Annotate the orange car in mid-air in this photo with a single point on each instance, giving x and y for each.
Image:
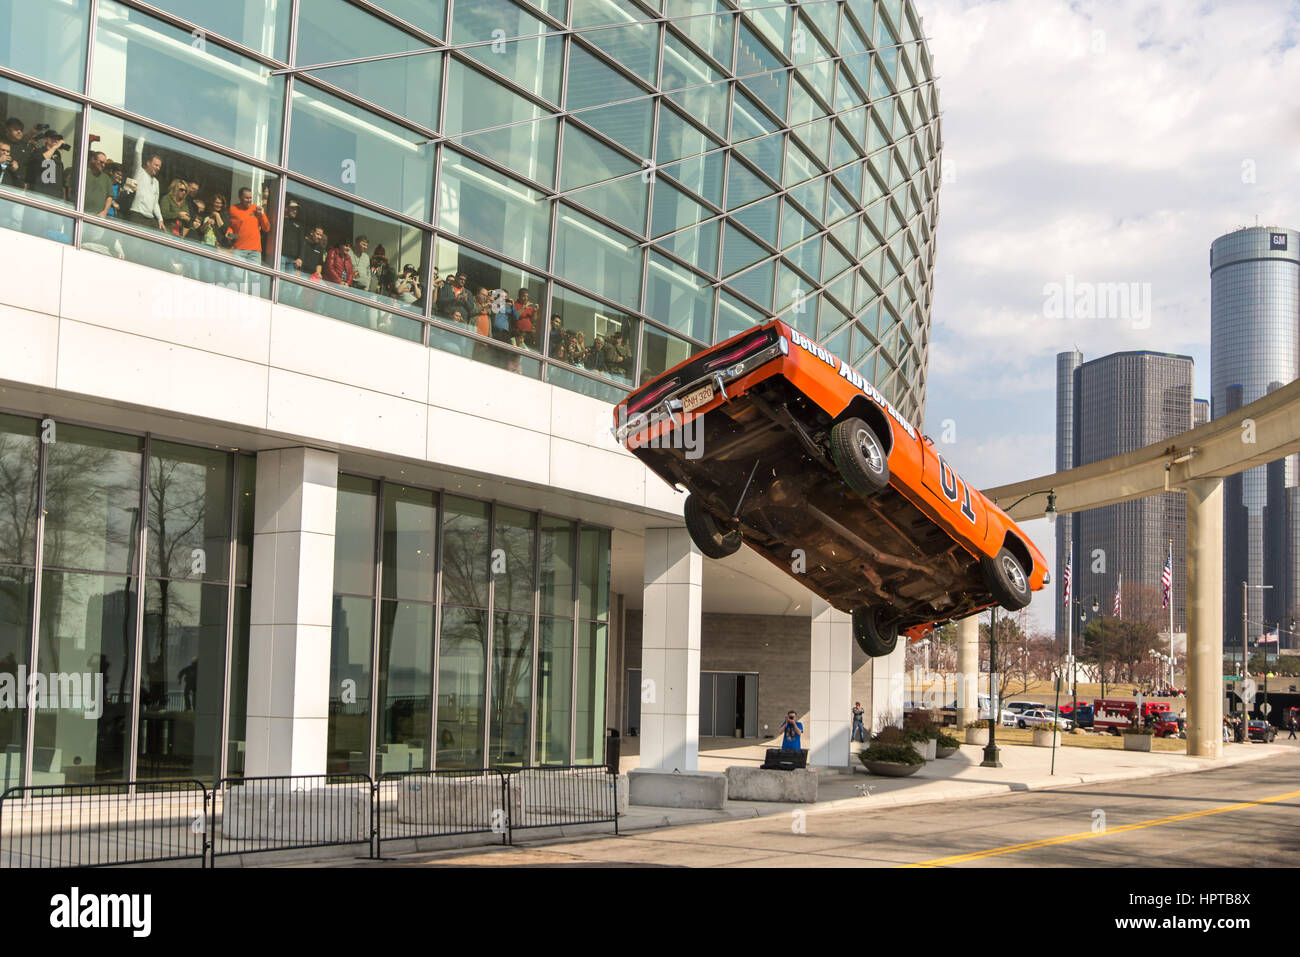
(786, 448)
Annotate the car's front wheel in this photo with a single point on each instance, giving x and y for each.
(706, 532)
(860, 456)
(1008, 581)
(874, 635)
(1020, 724)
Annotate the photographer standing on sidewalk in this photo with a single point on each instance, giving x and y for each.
(791, 731)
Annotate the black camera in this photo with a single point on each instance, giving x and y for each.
(42, 129)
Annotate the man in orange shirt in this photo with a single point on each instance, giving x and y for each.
(247, 223)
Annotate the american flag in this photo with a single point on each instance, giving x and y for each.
(1118, 588)
(1167, 582)
(1066, 579)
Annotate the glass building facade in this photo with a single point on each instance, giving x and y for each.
(124, 605)
(620, 182)
(1254, 349)
(466, 634)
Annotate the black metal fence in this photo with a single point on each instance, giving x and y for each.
(98, 825)
(88, 825)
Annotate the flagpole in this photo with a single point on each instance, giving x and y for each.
(1069, 631)
(1171, 614)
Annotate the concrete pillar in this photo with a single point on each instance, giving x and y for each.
(830, 721)
(887, 688)
(968, 670)
(670, 651)
(290, 619)
(1205, 617)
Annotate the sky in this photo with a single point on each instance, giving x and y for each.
(1104, 142)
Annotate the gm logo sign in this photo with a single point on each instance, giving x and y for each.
(1277, 242)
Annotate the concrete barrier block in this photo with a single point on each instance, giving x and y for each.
(681, 789)
(757, 784)
(573, 792)
(452, 800)
(280, 814)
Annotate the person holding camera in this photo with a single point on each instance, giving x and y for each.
(791, 733)
(44, 173)
(408, 285)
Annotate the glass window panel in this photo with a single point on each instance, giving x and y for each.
(476, 103)
(556, 573)
(679, 139)
(87, 629)
(739, 251)
(348, 728)
(261, 25)
(590, 714)
(598, 258)
(701, 175)
(795, 227)
(354, 536)
(744, 186)
(766, 153)
(465, 558)
(359, 153)
(92, 499)
(756, 283)
(636, 46)
(46, 40)
(674, 210)
(331, 30)
(189, 513)
(771, 20)
(34, 222)
(225, 98)
(405, 685)
(314, 297)
(336, 244)
(592, 336)
(678, 298)
(410, 532)
(710, 34)
(747, 120)
(734, 316)
(812, 197)
(462, 664)
(760, 218)
(817, 138)
(587, 160)
(593, 574)
(488, 353)
(183, 663)
(237, 722)
(493, 298)
(487, 207)
(662, 351)
(699, 90)
(536, 64)
(16, 595)
(762, 74)
(554, 689)
(19, 491)
(512, 689)
(245, 506)
(38, 164)
(583, 385)
(513, 560)
(698, 246)
(593, 84)
(623, 200)
(427, 15)
(807, 257)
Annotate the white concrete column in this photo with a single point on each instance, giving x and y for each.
(290, 621)
(670, 651)
(1205, 617)
(830, 720)
(887, 688)
(968, 670)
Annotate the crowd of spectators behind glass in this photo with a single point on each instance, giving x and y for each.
(34, 160)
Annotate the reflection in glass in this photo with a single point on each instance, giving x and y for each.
(183, 675)
(348, 748)
(465, 552)
(462, 654)
(237, 725)
(19, 454)
(512, 676)
(15, 630)
(593, 336)
(475, 102)
(189, 512)
(354, 536)
(593, 574)
(534, 63)
(92, 499)
(45, 40)
(598, 258)
(589, 723)
(261, 25)
(558, 538)
(87, 632)
(484, 206)
(554, 689)
(661, 351)
(410, 528)
(513, 560)
(405, 682)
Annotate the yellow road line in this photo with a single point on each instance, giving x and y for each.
(1067, 838)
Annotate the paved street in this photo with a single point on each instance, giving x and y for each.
(1240, 816)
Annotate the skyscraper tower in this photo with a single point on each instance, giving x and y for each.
(1254, 349)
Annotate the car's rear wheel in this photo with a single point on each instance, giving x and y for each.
(874, 635)
(1007, 579)
(707, 533)
(860, 456)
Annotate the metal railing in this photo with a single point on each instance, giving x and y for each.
(141, 822)
(98, 825)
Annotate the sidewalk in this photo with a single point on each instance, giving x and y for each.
(955, 778)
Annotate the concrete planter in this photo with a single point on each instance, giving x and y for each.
(978, 736)
(925, 749)
(889, 769)
(1138, 742)
(944, 752)
(1046, 739)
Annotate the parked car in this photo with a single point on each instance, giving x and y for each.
(1009, 719)
(1165, 724)
(788, 449)
(1083, 718)
(1036, 717)
(1020, 707)
(1262, 731)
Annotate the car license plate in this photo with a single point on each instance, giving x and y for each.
(697, 398)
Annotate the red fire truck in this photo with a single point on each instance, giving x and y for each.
(1113, 715)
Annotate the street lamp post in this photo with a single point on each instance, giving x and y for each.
(995, 705)
(1245, 659)
(1101, 655)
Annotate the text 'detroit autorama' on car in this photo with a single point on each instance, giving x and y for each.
(787, 449)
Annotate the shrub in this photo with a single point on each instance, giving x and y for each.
(1139, 730)
(891, 737)
(981, 725)
(891, 754)
(947, 741)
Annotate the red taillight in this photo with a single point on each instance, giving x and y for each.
(651, 398)
(746, 349)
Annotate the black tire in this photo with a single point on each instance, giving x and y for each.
(860, 456)
(1020, 724)
(1007, 579)
(707, 534)
(874, 635)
